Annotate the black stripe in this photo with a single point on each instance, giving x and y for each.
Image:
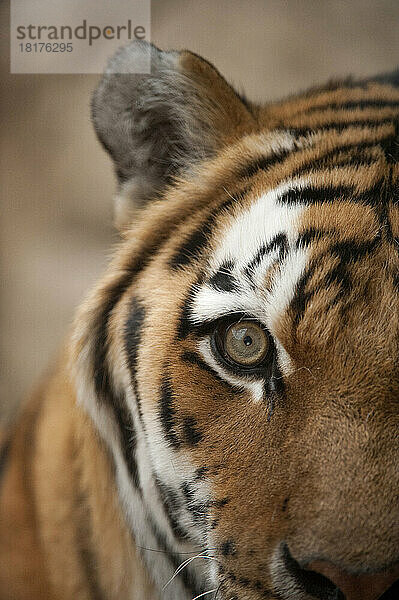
(262, 163)
(184, 325)
(279, 242)
(192, 247)
(339, 275)
(355, 147)
(316, 195)
(228, 548)
(329, 194)
(128, 436)
(201, 473)
(348, 252)
(101, 373)
(223, 280)
(357, 160)
(197, 240)
(302, 297)
(339, 125)
(192, 434)
(167, 413)
(102, 377)
(313, 235)
(386, 192)
(104, 389)
(172, 505)
(274, 386)
(133, 332)
(354, 105)
(372, 195)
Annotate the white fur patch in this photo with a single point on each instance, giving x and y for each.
(247, 235)
(258, 225)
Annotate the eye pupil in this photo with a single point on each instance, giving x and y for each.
(247, 340)
(243, 343)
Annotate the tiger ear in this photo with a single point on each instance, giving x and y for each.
(159, 125)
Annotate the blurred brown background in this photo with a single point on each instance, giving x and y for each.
(57, 183)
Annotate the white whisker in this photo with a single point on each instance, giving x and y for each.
(185, 564)
(204, 594)
(228, 193)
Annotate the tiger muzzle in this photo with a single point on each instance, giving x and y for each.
(323, 580)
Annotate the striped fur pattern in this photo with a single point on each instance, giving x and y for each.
(286, 214)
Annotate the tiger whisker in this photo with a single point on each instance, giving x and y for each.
(185, 564)
(230, 195)
(204, 594)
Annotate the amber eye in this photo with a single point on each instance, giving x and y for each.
(244, 343)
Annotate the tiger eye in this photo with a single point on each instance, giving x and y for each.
(246, 343)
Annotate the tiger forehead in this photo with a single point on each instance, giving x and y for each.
(310, 243)
(334, 205)
(328, 162)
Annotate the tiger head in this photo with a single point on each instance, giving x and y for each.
(239, 358)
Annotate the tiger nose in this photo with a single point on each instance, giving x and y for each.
(360, 587)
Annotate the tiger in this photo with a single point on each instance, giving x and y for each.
(222, 421)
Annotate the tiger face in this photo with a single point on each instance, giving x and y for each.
(239, 358)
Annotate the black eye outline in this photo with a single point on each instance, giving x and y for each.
(262, 370)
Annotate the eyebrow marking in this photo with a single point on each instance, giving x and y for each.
(223, 280)
(279, 242)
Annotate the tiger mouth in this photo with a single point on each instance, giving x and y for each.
(322, 580)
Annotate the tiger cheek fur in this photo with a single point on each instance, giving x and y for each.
(235, 480)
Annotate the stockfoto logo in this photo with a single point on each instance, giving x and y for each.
(68, 36)
(81, 32)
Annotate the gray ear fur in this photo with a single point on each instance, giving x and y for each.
(155, 126)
